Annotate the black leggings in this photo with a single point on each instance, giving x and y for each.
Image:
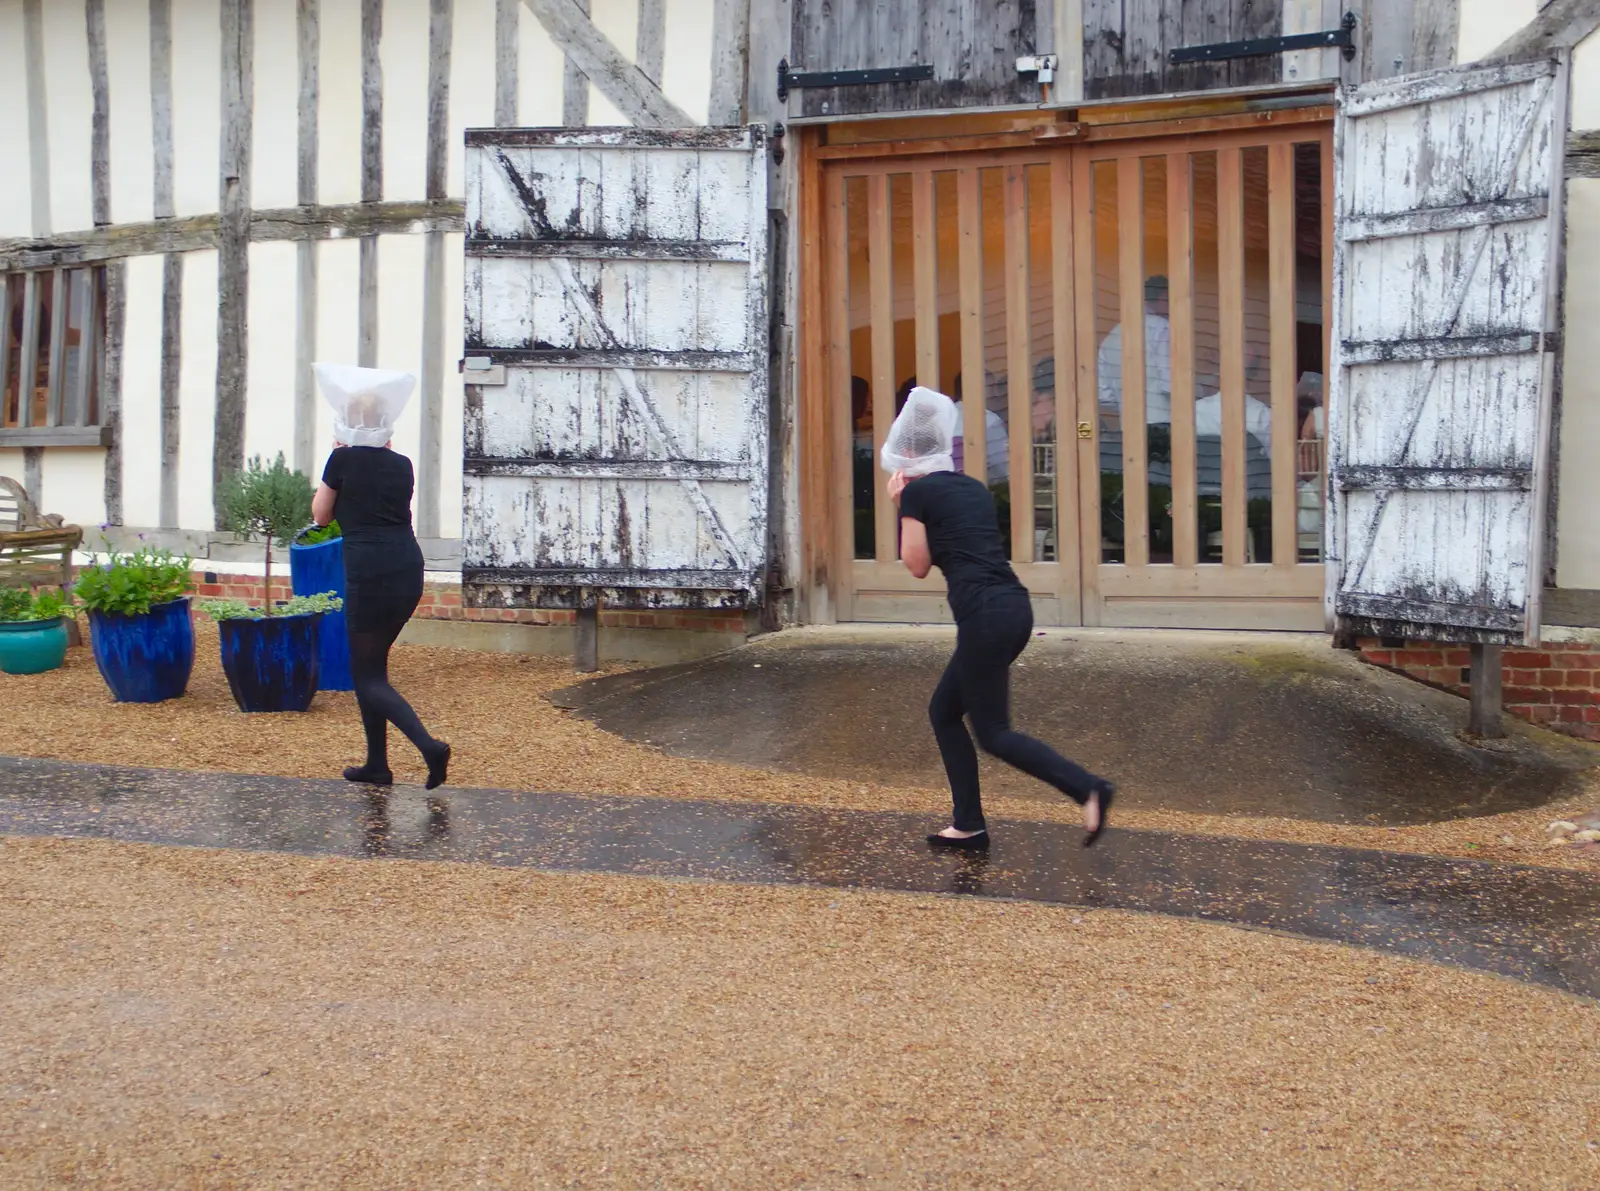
(382, 705)
(977, 684)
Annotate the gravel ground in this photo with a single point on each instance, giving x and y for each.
(492, 707)
(187, 1018)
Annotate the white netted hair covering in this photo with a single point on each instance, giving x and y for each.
(366, 402)
(923, 435)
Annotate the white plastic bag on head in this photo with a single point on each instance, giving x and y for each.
(367, 402)
(922, 439)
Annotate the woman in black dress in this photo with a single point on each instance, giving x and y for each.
(367, 489)
(948, 521)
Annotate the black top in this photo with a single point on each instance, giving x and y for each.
(373, 508)
(963, 537)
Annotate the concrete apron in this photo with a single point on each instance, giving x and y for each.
(1262, 724)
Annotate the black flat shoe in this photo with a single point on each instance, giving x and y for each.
(438, 767)
(971, 843)
(368, 775)
(1107, 793)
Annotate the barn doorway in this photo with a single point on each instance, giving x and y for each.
(1135, 330)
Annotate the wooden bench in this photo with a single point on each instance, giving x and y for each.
(35, 548)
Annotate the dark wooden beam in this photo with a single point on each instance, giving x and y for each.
(197, 232)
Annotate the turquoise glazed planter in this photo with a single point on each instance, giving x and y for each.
(32, 646)
(145, 659)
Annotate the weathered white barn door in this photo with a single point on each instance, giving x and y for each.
(616, 343)
(1448, 236)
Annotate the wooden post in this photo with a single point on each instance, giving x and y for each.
(1484, 719)
(586, 647)
(233, 244)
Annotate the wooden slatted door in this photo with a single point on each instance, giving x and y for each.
(1450, 236)
(959, 279)
(1202, 281)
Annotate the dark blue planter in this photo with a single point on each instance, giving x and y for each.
(312, 571)
(145, 659)
(272, 664)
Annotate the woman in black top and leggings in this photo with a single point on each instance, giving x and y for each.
(948, 521)
(367, 489)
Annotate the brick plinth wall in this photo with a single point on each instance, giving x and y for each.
(1556, 685)
(442, 601)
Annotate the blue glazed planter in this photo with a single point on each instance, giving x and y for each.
(32, 646)
(145, 659)
(272, 664)
(312, 571)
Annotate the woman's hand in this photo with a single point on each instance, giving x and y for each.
(897, 485)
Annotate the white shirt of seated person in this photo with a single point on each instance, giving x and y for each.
(1157, 356)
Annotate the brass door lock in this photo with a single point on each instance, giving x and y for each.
(1085, 430)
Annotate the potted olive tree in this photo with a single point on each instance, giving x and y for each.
(140, 626)
(33, 630)
(270, 654)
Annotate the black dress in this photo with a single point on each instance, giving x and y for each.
(382, 561)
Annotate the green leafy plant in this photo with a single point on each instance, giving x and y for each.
(316, 535)
(266, 502)
(298, 606)
(19, 604)
(131, 584)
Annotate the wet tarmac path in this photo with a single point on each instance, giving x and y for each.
(1534, 924)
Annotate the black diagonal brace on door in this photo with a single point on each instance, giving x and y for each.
(1341, 38)
(847, 78)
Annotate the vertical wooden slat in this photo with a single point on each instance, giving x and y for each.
(54, 380)
(1130, 281)
(1230, 268)
(1328, 246)
(730, 50)
(81, 404)
(969, 226)
(575, 87)
(1019, 387)
(1063, 331)
(233, 243)
(161, 106)
(1090, 537)
(308, 22)
(1180, 279)
(507, 40)
(371, 176)
(1280, 269)
(651, 52)
(172, 265)
(38, 115)
(430, 456)
(109, 413)
(834, 399)
(171, 361)
(28, 360)
(882, 314)
(100, 119)
(925, 256)
(6, 307)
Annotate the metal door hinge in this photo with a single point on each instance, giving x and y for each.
(482, 370)
(1341, 38)
(1042, 64)
(1085, 429)
(847, 78)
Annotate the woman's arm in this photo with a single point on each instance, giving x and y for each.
(322, 504)
(914, 547)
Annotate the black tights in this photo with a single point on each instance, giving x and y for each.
(976, 685)
(382, 705)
